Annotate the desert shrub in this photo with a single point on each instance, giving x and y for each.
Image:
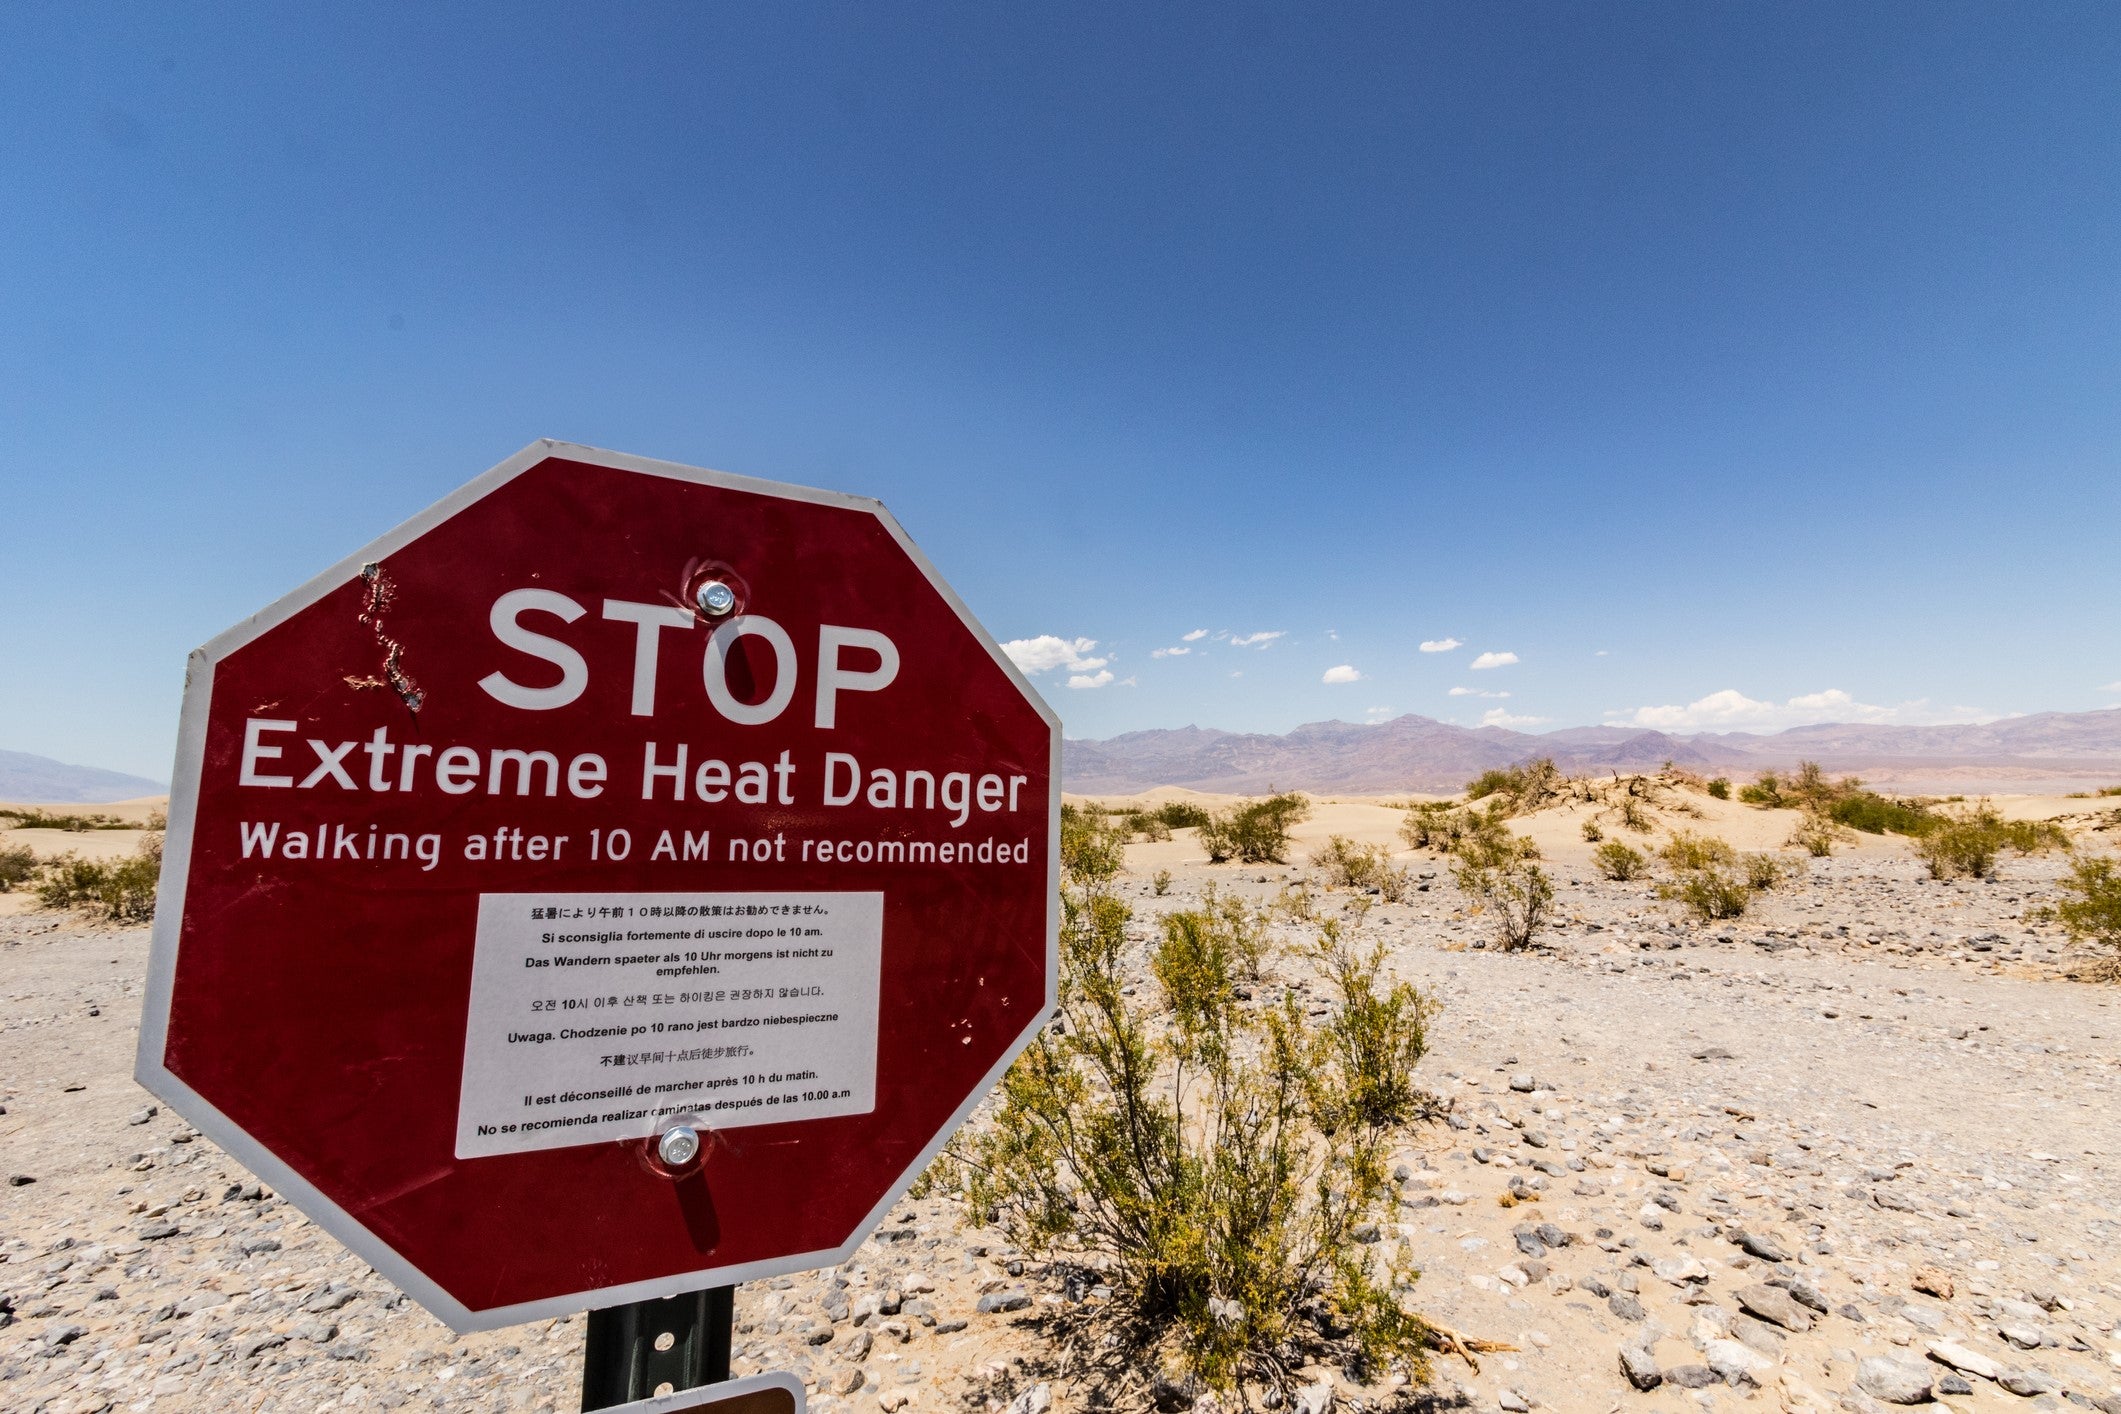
(1444, 827)
(1517, 788)
(1255, 832)
(1686, 851)
(1212, 1160)
(30, 818)
(1966, 843)
(2090, 911)
(1374, 1042)
(1292, 905)
(18, 865)
(1720, 788)
(1876, 814)
(1592, 831)
(1146, 824)
(1363, 866)
(1816, 835)
(1181, 815)
(1090, 845)
(122, 890)
(1709, 893)
(1224, 926)
(1161, 882)
(1764, 790)
(1763, 871)
(1634, 816)
(1618, 861)
(1502, 871)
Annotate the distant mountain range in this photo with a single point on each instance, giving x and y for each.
(39, 779)
(2048, 751)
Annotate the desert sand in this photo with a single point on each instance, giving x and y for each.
(1871, 1121)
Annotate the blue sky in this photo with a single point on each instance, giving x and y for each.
(1676, 350)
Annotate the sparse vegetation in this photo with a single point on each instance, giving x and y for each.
(1687, 851)
(1091, 847)
(1876, 814)
(1719, 788)
(1349, 865)
(1502, 871)
(1966, 843)
(2090, 911)
(1255, 832)
(1444, 827)
(1518, 788)
(1160, 881)
(122, 890)
(29, 818)
(1212, 1159)
(1181, 815)
(1709, 893)
(1816, 835)
(1592, 833)
(1634, 816)
(1763, 871)
(1619, 862)
(18, 865)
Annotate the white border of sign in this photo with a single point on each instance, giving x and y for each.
(706, 1396)
(150, 1071)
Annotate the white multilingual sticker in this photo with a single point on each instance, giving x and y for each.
(610, 1016)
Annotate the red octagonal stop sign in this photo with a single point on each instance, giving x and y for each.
(605, 797)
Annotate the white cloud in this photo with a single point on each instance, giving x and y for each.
(1474, 692)
(1045, 653)
(1334, 634)
(1256, 640)
(1344, 673)
(1599, 654)
(1377, 714)
(1169, 652)
(1100, 678)
(1493, 660)
(2111, 687)
(1194, 637)
(1500, 717)
(1732, 710)
(1440, 645)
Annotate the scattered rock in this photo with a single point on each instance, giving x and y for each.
(1626, 1307)
(1774, 1304)
(1692, 1376)
(1958, 1357)
(996, 1302)
(1640, 1367)
(2028, 1383)
(1035, 1400)
(1894, 1381)
(1932, 1282)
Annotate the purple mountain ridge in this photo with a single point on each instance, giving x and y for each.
(2045, 752)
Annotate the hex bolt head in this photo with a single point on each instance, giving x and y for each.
(679, 1145)
(715, 598)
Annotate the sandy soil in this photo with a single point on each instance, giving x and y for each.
(1869, 1076)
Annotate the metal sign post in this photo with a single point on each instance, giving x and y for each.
(635, 1350)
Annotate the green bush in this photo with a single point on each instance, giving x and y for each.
(1592, 831)
(1765, 790)
(1211, 1159)
(1709, 893)
(1617, 861)
(1090, 845)
(1502, 871)
(1224, 926)
(1763, 871)
(1966, 843)
(1816, 835)
(1350, 865)
(1255, 832)
(122, 890)
(1161, 882)
(2091, 911)
(1444, 827)
(1634, 816)
(1181, 815)
(1876, 814)
(1146, 824)
(1720, 788)
(30, 818)
(18, 865)
(1686, 851)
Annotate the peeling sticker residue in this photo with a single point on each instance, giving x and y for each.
(394, 676)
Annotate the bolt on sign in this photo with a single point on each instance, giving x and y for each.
(616, 881)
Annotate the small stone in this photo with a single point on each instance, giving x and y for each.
(950, 1327)
(155, 1231)
(1804, 1290)
(19, 1180)
(1692, 1376)
(1947, 1352)
(858, 1346)
(1511, 1400)
(892, 1400)
(1760, 1245)
(142, 1116)
(331, 1298)
(846, 1380)
(1626, 1307)
(2024, 1336)
(1773, 1304)
(1736, 1363)
(64, 1335)
(1523, 1083)
(995, 1302)
(1035, 1400)
(1640, 1367)
(1551, 1235)
(1894, 1381)
(1528, 1241)
(259, 1344)
(1932, 1282)
(1954, 1384)
(316, 1332)
(2028, 1383)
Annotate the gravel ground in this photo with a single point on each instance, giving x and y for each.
(1858, 1148)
